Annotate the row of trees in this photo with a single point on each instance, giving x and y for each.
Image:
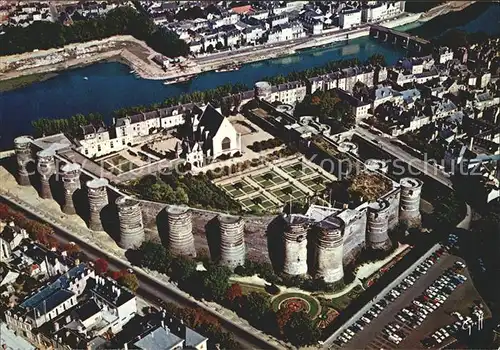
(196, 191)
(204, 323)
(71, 125)
(123, 277)
(258, 146)
(36, 230)
(213, 284)
(213, 96)
(123, 20)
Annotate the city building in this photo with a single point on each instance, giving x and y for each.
(349, 17)
(10, 238)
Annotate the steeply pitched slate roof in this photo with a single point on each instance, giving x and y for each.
(211, 120)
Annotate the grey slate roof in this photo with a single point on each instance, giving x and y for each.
(211, 120)
(159, 339)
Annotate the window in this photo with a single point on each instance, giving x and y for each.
(226, 144)
(98, 148)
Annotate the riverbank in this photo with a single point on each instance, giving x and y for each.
(443, 9)
(25, 80)
(126, 49)
(138, 56)
(269, 51)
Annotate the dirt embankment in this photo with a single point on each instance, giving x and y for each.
(125, 48)
(450, 6)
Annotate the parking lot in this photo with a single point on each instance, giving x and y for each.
(422, 316)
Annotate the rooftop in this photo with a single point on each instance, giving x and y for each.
(159, 339)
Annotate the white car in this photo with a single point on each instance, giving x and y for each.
(364, 319)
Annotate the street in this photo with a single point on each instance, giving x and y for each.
(150, 289)
(383, 143)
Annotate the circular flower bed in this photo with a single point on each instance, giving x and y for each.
(295, 305)
(297, 302)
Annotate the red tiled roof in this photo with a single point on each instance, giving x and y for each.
(241, 10)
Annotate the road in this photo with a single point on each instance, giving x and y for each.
(385, 144)
(150, 289)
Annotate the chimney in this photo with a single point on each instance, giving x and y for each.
(56, 326)
(125, 346)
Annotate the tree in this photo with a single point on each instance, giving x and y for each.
(52, 243)
(257, 305)
(282, 317)
(377, 59)
(215, 281)
(120, 21)
(154, 256)
(348, 120)
(219, 45)
(234, 293)
(210, 48)
(315, 100)
(71, 249)
(117, 274)
(130, 281)
(182, 268)
(300, 329)
(101, 266)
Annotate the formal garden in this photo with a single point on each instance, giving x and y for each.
(268, 189)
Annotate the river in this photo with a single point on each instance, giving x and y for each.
(105, 87)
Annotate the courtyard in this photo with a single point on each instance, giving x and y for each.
(269, 187)
(118, 164)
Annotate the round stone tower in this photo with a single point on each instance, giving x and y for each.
(232, 241)
(180, 231)
(130, 221)
(46, 167)
(295, 244)
(377, 228)
(376, 165)
(263, 90)
(348, 147)
(70, 174)
(329, 250)
(97, 191)
(409, 206)
(24, 156)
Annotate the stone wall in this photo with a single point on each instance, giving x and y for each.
(354, 235)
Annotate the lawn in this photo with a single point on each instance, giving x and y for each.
(268, 179)
(25, 80)
(298, 170)
(286, 193)
(118, 164)
(258, 202)
(238, 189)
(316, 183)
